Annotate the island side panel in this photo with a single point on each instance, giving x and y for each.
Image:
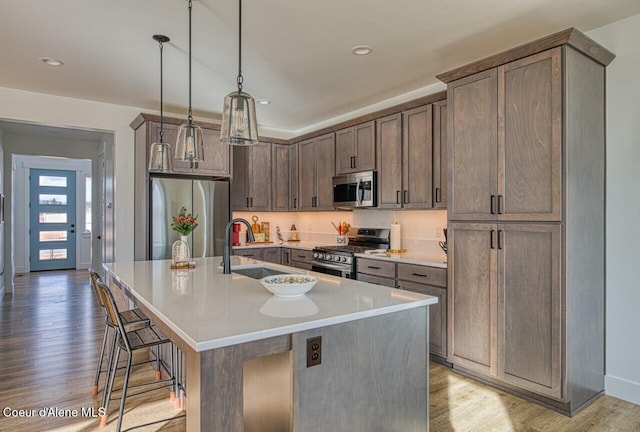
(373, 375)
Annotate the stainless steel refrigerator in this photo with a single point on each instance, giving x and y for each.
(206, 199)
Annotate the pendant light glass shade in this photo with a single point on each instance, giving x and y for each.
(160, 154)
(239, 126)
(189, 143)
(160, 157)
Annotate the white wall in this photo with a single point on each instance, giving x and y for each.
(2, 261)
(81, 114)
(623, 207)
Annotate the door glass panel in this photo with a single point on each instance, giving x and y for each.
(52, 254)
(49, 199)
(55, 181)
(52, 217)
(48, 236)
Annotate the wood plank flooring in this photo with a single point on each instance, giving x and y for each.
(50, 335)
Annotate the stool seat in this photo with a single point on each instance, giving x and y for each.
(144, 338)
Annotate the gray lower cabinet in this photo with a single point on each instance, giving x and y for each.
(255, 253)
(301, 258)
(429, 281)
(272, 254)
(421, 279)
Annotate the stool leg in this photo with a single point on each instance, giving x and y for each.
(172, 391)
(94, 392)
(125, 384)
(158, 373)
(112, 351)
(109, 388)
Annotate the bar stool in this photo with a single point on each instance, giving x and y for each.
(130, 341)
(130, 318)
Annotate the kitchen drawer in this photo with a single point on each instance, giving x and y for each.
(255, 253)
(301, 265)
(301, 255)
(391, 283)
(376, 267)
(422, 274)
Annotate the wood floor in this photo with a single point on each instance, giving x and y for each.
(50, 335)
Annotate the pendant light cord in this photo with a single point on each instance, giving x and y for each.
(240, 78)
(161, 104)
(190, 116)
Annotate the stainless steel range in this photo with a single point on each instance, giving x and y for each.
(339, 260)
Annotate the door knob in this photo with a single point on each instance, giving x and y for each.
(72, 230)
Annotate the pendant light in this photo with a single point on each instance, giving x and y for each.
(189, 143)
(160, 155)
(239, 125)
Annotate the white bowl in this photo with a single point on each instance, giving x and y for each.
(288, 285)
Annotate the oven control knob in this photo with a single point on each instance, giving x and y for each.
(328, 257)
(315, 254)
(343, 259)
(338, 259)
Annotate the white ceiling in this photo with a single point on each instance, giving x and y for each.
(295, 52)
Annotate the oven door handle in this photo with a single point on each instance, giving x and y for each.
(331, 266)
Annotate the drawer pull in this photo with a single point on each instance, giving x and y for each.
(301, 256)
(374, 267)
(421, 275)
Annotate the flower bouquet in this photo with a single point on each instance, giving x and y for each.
(184, 223)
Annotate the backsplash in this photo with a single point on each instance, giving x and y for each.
(421, 229)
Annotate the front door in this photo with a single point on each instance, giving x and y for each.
(52, 219)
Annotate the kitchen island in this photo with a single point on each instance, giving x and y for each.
(248, 353)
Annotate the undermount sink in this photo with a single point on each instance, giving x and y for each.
(258, 272)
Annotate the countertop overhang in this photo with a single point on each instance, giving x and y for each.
(209, 309)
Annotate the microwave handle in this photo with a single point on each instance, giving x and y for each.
(358, 196)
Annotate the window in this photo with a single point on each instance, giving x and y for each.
(87, 214)
(49, 199)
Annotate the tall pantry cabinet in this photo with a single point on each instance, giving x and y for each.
(526, 155)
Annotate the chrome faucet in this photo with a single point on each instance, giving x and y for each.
(226, 258)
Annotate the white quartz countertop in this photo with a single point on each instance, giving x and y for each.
(209, 309)
(418, 258)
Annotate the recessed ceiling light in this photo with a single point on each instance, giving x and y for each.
(50, 61)
(263, 101)
(361, 50)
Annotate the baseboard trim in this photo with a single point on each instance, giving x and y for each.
(622, 389)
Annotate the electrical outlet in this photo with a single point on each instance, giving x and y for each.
(314, 351)
(438, 233)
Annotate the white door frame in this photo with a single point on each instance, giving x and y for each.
(21, 165)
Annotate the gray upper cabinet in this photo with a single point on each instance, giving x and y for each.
(404, 154)
(440, 169)
(389, 155)
(355, 148)
(316, 168)
(417, 160)
(510, 167)
(284, 175)
(216, 154)
(251, 185)
(473, 117)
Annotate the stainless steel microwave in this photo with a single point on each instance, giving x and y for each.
(355, 190)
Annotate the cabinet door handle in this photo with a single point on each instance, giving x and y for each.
(247, 201)
(295, 203)
(491, 241)
(251, 201)
(500, 204)
(405, 196)
(301, 256)
(420, 275)
(437, 194)
(500, 239)
(374, 267)
(493, 204)
(397, 197)
(355, 163)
